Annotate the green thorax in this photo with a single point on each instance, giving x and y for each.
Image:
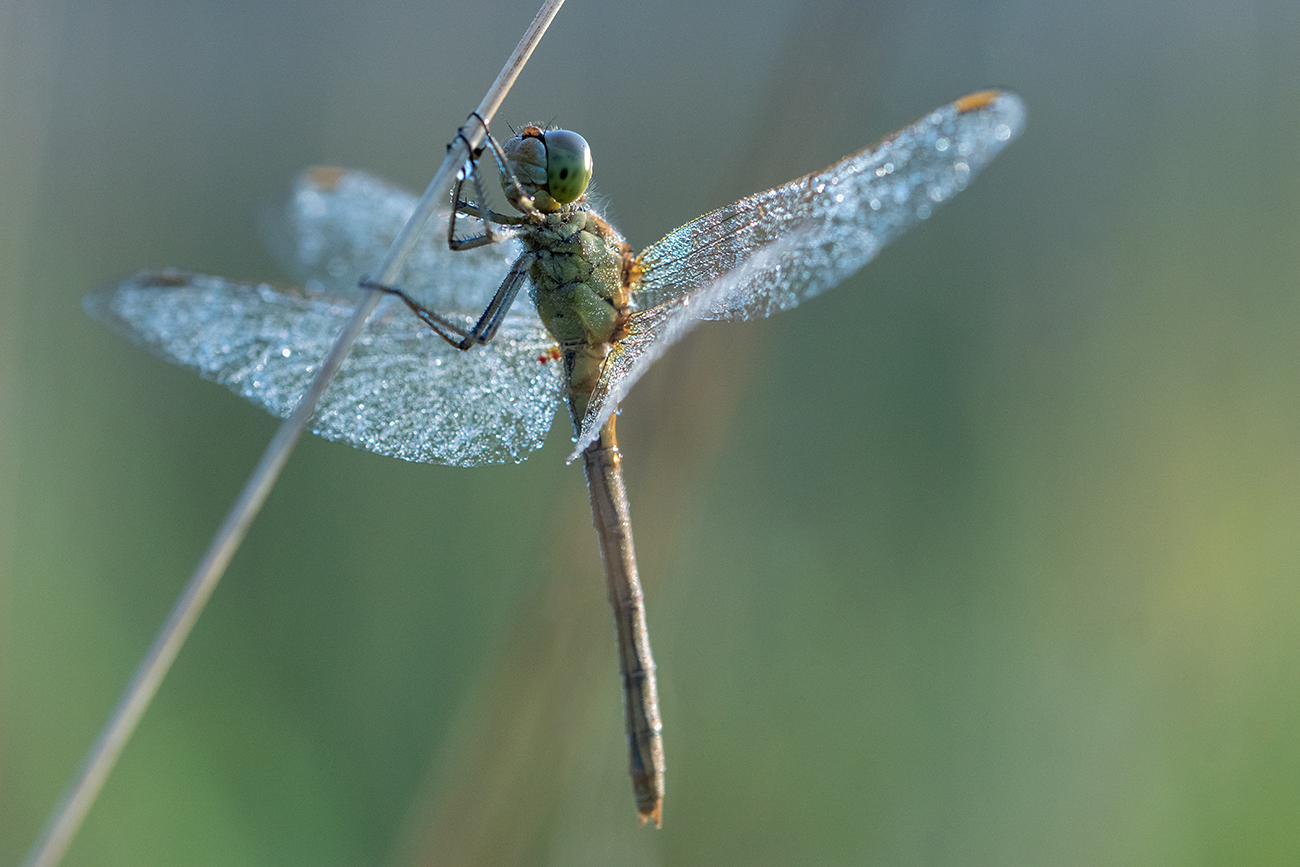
(578, 277)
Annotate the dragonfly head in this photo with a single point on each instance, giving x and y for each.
(552, 165)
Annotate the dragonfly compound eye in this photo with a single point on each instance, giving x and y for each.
(568, 165)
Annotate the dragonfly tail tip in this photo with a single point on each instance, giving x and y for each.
(654, 814)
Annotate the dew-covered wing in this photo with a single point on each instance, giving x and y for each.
(773, 250)
(336, 225)
(651, 332)
(852, 209)
(403, 391)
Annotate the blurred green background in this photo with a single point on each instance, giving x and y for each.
(989, 556)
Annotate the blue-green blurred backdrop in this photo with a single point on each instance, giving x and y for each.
(990, 556)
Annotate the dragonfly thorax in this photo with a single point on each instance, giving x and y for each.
(578, 276)
(553, 166)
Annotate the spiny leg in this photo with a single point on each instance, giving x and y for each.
(490, 321)
(519, 200)
(480, 210)
(515, 194)
(473, 210)
(488, 324)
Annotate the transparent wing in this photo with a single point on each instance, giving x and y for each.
(337, 224)
(402, 392)
(773, 250)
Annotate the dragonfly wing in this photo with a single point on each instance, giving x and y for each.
(337, 225)
(651, 332)
(402, 392)
(845, 213)
(773, 250)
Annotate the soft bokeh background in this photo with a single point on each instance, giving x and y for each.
(990, 556)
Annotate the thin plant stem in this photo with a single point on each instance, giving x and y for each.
(71, 811)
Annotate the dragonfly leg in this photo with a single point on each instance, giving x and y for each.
(481, 211)
(514, 193)
(488, 324)
(519, 200)
(444, 328)
(473, 210)
(486, 327)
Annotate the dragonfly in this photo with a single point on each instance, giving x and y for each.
(457, 366)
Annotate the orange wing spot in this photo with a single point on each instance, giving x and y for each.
(326, 177)
(165, 280)
(976, 101)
